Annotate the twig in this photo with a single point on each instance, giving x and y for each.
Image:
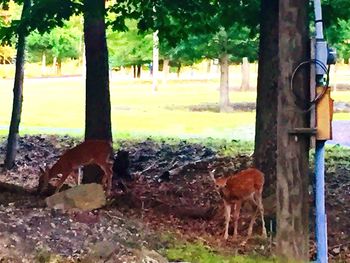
(339, 245)
(148, 168)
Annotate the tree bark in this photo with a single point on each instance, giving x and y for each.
(292, 151)
(43, 65)
(59, 66)
(54, 65)
(224, 87)
(266, 103)
(245, 74)
(98, 107)
(139, 71)
(178, 70)
(155, 62)
(134, 71)
(209, 66)
(165, 71)
(12, 140)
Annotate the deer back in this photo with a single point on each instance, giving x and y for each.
(243, 184)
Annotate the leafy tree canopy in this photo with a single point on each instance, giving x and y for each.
(131, 47)
(177, 20)
(62, 42)
(236, 41)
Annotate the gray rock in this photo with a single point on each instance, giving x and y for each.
(85, 197)
(151, 256)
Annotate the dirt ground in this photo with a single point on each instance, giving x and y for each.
(185, 206)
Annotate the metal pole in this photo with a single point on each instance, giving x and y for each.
(321, 219)
(318, 19)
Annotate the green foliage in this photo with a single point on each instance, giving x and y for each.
(338, 35)
(337, 156)
(129, 48)
(200, 253)
(192, 30)
(43, 16)
(61, 42)
(333, 10)
(177, 20)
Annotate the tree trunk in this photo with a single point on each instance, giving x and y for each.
(54, 65)
(224, 88)
(138, 71)
(43, 65)
(155, 62)
(12, 140)
(245, 74)
(178, 70)
(292, 151)
(134, 71)
(165, 71)
(266, 103)
(98, 107)
(59, 67)
(209, 66)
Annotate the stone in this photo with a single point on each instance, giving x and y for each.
(151, 256)
(85, 197)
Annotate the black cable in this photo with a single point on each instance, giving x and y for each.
(317, 97)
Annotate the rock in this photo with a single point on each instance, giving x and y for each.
(151, 256)
(336, 250)
(101, 252)
(85, 197)
(103, 249)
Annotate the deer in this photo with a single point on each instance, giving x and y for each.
(246, 185)
(69, 164)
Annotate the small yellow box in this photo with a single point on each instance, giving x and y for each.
(324, 114)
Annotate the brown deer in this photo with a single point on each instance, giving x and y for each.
(88, 152)
(237, 188)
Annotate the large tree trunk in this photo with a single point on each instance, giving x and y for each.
(98, 107)
(266, 103)
(17, 97)
(292, 151)
(224, 87)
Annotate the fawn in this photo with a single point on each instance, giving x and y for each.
(237, 188)
(88, 152)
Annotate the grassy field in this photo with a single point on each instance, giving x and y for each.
(57, 106)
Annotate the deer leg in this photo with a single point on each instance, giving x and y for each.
(227, 218)
(261, 209)
(107, 178)
(61, 181)
(77, 176)
(235, 218)
(252, 221)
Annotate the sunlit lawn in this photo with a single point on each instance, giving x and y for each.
(57, 105)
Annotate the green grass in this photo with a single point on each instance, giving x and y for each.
(57, 106)
(199, 253)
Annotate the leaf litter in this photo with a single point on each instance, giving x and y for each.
(184, 204)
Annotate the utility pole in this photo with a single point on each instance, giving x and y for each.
(323, 121)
